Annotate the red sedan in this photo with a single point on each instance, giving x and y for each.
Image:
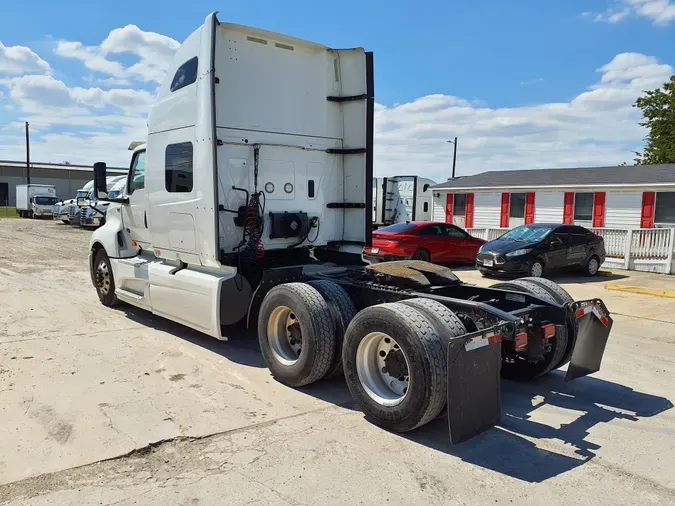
(423, 240)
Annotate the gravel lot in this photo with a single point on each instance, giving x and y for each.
(115, 406)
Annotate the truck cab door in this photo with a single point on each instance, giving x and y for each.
(134, 214)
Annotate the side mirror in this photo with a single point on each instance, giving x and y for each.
(555, 242)
(100, 183)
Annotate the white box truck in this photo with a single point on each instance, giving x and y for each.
(35, 200)
(257, 188)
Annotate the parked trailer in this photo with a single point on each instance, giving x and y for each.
(398, 199)
(258, 170)
(35, 200)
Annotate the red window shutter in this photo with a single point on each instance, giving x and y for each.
(449, 200)
(468, 219)
(529, 208)
(568, 208)
(647, 218)
(599, 209)
(504, 221)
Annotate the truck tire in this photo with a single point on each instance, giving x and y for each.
(556, 291)
(561, 295)
(104, 281)
(521, 369)
(296, 333)
(395, 366)
(343, 310)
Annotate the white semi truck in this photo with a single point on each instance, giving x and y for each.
(64, 209)
(398, 199)
(93, 213)
(256, 193)
(35, 200)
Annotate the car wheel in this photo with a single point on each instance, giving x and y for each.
(422, 254)
(592, 266)
(536, 269)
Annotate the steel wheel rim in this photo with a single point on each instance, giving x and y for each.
(593, 266)
(537, 269)
(284, 335)
(103, 277)
(373, 369)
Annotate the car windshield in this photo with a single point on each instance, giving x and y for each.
(398, 228)
(45, 201)
(526, 234)
(81, 195)
(113, 195)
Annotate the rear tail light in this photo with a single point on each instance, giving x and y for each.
(549, 330)
(521, 340)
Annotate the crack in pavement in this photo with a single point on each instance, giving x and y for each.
(63, 479)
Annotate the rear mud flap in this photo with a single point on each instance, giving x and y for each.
(474, 386)
(595, 324)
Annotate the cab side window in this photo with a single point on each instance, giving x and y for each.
(185, 75)
(178, 167)
(137, 176)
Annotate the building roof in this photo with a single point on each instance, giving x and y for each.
(59, 166)
(628, 175)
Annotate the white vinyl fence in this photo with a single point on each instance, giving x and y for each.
(639, 249)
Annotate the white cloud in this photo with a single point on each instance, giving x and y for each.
(597, 127)
(37, 92)
(153, 50)
(660, 12)
(20, 60)
(46, 95)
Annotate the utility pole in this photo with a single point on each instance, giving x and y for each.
(28, 155)
(454, 159)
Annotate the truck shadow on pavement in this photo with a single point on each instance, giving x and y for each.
(585, 403)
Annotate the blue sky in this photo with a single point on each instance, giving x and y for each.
(513, 80)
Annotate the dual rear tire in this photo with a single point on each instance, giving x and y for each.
(393, 355)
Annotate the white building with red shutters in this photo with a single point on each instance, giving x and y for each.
(624, 197)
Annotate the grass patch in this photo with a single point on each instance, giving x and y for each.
(8, 212)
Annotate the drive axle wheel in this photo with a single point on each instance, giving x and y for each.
(383, 368)
(285, 335)
(296, 333)
(395, 366)
(104, 280)
(519, 368)
(343, 310)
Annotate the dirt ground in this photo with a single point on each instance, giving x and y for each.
(104, 406)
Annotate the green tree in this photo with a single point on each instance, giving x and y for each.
(658, 112)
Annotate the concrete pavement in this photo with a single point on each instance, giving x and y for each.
(103, 406)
